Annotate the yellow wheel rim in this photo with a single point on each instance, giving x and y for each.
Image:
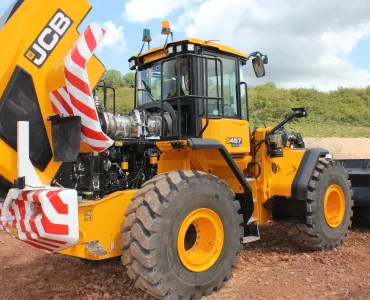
(200, 240)
(334, 206)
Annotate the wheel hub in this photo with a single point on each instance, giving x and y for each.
(334, 206)
(200, 240)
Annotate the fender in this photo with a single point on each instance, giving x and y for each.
(305, 171)
(246, 198)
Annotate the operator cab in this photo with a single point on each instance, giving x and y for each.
(192, 81)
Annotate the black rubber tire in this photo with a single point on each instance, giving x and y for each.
(150, 230)
(316, 234)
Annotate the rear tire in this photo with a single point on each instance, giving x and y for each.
(150, 234)
(326, 225)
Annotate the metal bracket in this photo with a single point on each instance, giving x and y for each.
(177, 145)
(251, 231)
(95, 249)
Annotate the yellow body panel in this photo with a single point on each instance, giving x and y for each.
(224, 129)
(101, 221)
(280, 184)
(47, 78)
(206, 160)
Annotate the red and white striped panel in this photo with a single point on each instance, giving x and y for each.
(76, 98)
(61, 103)
(46, 218)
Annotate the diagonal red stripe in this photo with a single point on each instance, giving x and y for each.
(90, 39)
(57, 203)
(84, 109)
(38, 246)
(77, 82)
(35, 230)
(78, 59)
(63, 102)
(55, 109)
(25, 195)
(92, 134)
(22, 211)
(35, 196)
(12, 212)
(49, 227)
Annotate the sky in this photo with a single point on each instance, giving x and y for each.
(321, 44)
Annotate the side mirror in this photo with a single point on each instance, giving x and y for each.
(259, 68)
(300, 112)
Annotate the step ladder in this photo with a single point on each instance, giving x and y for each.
(251, 231)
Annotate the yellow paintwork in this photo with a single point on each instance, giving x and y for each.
(229, 128)
(200, 240)
(101, 221)
(50, 76)
(158, 52)
(334, 205)
(209, 161)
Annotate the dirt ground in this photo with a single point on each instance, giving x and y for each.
(271, 268)
(342, 147)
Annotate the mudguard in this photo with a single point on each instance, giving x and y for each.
(305, 171)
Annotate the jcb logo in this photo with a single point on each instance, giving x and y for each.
(48, 39)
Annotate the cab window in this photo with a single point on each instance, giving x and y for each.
(229, 86)
(149, 80)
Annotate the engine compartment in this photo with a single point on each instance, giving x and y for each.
(131, 161)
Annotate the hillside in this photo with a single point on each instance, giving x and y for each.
(341, 113)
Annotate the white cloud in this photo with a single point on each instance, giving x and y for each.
(114, 39)
(308, 44)
(141, 11)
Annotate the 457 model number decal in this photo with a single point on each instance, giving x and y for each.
(234, 141)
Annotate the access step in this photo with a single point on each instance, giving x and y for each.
(251, 231)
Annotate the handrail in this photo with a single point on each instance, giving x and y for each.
(178, 98)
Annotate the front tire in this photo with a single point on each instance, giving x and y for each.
(164, 250)
(328, 209)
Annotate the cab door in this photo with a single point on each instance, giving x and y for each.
(227, 122)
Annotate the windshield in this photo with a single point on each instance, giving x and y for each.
(149, 81)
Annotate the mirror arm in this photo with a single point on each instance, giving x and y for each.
(296, 113)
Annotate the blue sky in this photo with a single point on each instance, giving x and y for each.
(321, 44)
(113, 10)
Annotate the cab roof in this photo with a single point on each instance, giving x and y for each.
(158, 53)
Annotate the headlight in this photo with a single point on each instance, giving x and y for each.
(179, 48)
(191, 47)
(132, 64)
(170, 50)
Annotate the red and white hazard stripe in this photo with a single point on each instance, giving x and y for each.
(61, 103)
(46, 218)
(76, 98)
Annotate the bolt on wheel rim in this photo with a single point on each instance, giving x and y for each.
(200, 240)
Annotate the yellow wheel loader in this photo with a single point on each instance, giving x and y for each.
(176, 186)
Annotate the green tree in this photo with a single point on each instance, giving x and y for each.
(114, 78)
(129, 79)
